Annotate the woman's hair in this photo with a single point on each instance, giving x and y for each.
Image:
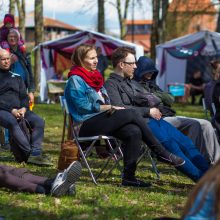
(211, 177)
(80, 53)
(13, 30)
(215, 65)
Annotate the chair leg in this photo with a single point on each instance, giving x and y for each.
(116, 157)
(87, 165)
(153, 164)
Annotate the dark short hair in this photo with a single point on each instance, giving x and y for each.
(214, 64)
(80, 53)
(120, 54)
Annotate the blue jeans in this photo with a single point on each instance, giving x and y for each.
(8, 121)
(177, 143)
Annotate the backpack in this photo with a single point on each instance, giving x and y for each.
(21, 154)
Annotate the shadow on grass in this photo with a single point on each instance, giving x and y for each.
(13, 212)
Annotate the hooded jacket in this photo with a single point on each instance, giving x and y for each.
(4, 30)
(146, 65)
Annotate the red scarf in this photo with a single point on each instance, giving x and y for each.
(94, 78)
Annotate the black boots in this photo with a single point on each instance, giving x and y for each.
(129, 179)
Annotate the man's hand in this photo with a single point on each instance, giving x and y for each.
(155, 113)
(18, 113)
(117, 107)
(15, 113)
(22, 112)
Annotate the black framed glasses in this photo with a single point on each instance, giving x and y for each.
(130, 63)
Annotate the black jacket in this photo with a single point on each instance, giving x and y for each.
(122, 93)
(13, 93)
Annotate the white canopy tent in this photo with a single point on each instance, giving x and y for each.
(55, 55)
(174, 56)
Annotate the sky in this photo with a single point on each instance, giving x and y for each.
(83, 13)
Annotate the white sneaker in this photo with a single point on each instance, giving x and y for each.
(64, 180)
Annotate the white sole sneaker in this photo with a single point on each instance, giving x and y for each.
(64, 180)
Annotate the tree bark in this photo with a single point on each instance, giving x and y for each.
(165, 5)
(218, 20)
(12, 7)
(39, 32)
(154, 28)
(21, 15)
(101, 16)
(123, 18)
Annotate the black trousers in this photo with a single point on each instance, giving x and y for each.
(128, 126)
(19, 179)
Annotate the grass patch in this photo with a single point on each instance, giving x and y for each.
(108, 200)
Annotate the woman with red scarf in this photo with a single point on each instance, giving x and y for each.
(89, 106)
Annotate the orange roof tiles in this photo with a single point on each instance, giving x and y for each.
(48, 22)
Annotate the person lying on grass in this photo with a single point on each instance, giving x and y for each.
(21, 180)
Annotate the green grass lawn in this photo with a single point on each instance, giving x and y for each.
(108, 200)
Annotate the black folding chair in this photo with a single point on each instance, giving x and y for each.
(147, 154)
(115, 152)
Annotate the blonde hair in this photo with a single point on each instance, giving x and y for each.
(80, 53)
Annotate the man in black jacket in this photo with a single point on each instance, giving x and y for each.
(125, 92)
(14, 105)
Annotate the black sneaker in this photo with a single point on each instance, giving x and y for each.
(171, 159)
(135, 183)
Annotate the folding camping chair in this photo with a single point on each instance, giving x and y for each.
(147, 154)
(115, 152)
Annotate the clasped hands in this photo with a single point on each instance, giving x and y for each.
(18, 113)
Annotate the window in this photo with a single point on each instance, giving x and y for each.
(139, 29)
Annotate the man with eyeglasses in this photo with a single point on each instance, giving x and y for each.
(125, 92)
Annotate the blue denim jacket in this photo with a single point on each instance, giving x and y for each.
(82, 100)
(207, 210)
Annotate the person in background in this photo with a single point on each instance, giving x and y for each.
(21, 63)
(14, 105)
(200, 131)
(89, 105)
(212, 95)
(21, 180)
(9, 23)
(125, 92)
(196, 86)
(102, 61)
(204, 201)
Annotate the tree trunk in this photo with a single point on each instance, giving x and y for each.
(39, 32)
(218, 21)
(155, 26)
(121, 19)
(21, 15)
(165, 5)
(12, 7)
(101, 16)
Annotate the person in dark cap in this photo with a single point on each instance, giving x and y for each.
(9, 23)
